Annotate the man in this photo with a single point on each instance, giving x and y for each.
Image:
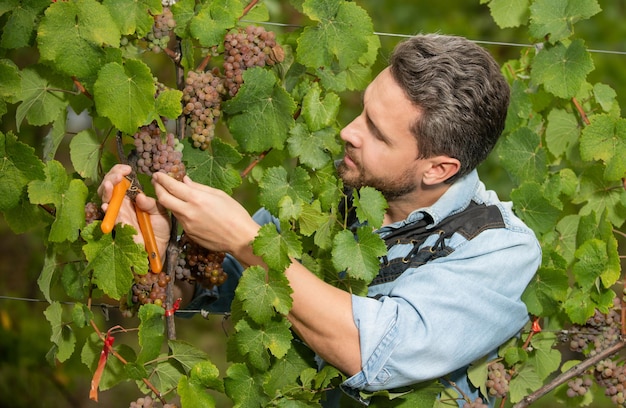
(428, 120)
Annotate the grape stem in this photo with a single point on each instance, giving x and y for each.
(575, 371)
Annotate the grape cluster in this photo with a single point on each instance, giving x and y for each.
(149, 402)
(157, 153)
(150, 288)
(246, 48)
(197, 263)
(477, 403)
(578, 387)
(202, 98)
(601, 331)
(497, 380)
(159, 37)
(93, 212)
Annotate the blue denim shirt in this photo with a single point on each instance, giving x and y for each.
(438, 318)
(434, 320)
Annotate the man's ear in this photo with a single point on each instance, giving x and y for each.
(440, 169)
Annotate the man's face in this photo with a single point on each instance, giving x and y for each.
(380, 150)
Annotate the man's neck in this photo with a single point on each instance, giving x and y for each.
(400, 207)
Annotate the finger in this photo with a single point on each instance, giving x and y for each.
(113, 177)
(170, 192)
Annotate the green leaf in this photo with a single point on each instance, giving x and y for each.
(243, 388)
(358, 256)
(134, 16)
(605, 139)
(85, 154)
(312, 219)
(592, 263)
(62, 335)
(556, 18)
(531, 206)
(313, 148)
(264, 294)
(579, 306)
(151, 331)
(561, 69)
(523, 157)
(546, 291)
(605, 96)
(213, 20)
(206, 374)
(168, 103)
(112, 257)
(42, 97)
(562, 131)
(275, 185)
(254, 341)
(18, 28)
(260, 116)
(370, 206)
(286, 371)
(194, 395)
(72, 36)
(592, 228)
(340, 36)
(600, 195)
(125, 94)
(319, 112)
(164, 376)
(213, 168)
(68, 197)
(509, 13)
(545, 357)
(186, 354)
(277, 248)
(19, 166)
(11, 84)
(525, 382)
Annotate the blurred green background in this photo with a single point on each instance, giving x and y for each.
(27, 380)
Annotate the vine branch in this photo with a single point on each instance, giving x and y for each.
(575, 371)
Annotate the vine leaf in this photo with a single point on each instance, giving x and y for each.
(312, 148)
(193, 394)
(562, 132)
(275, 185)
(243, 387)
(370, 206)
(134, 16)
(562, 69)
(151, 332)
(525, 382)
(62, 336)
(509, 13)
(112, 259)
(263, 297)
(544, 357)
(125, 94)
(42, 102)
(68, 197)
(319, 112)
(556, 18)
(206, 374)
(592, 228)
(254, 341)
(11, 81)
(19, 166)
(114, 371)
(214, 19)
(277, 248)
(600, 195)
(85, 154)
(213, 169)
(168, 104)
(340, 37)
(534, 208)
(18, 28)
(546, 291)
(261, 114)
(71, 35)
(287, 370)
(523, 157)
(605, 139)
(188, 356)
(359, 257)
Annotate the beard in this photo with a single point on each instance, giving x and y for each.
(391, 188)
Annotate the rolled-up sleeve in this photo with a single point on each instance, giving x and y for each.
(440, 317)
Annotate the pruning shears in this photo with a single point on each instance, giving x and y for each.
(130, 186)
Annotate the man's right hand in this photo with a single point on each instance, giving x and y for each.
(127, 215)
